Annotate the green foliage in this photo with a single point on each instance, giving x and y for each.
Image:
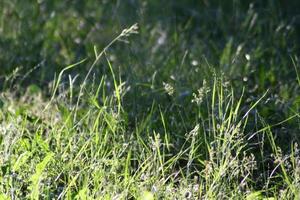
(198, 100)
(36, 178)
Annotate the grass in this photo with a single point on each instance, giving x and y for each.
(198, 100)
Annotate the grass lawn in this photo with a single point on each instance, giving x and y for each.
(149, 99)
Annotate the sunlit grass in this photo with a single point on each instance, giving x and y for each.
(168, 113)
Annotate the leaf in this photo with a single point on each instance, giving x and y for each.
(4, 197)
(226, 54)
(82, 194)
(21, 161)
(37, 177)
(147, 196)
(254, 196)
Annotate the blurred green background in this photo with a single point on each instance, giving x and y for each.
(53, 34)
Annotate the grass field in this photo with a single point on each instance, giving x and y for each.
(149, 99)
